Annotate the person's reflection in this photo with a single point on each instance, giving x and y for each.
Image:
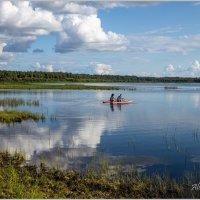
(119, 106)
(112, 107)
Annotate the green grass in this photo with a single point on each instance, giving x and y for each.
(18, 180)
(42, 86)
(11, 116)
(13, 102)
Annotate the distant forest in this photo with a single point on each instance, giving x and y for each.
(30, 76)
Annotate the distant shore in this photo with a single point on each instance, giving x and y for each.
(39, 76)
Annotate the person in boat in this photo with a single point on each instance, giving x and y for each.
(119, 98)
(112, 98)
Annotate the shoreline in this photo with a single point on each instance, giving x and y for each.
(20, 180)
(31, 86)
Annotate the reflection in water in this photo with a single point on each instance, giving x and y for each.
(65, 158)
(75, 137)
(119, 106)
(170, 97)
(159, 132)
(112, 107)
(196, 99)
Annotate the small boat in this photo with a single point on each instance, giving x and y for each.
(118, 102)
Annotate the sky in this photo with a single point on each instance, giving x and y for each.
(101, 37)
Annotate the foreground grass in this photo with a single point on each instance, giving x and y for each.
(18, 180)
(42, 86)
(11, 116)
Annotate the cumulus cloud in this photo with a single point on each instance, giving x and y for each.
(66, 7)
(85, 31)
(21, 24)
(40, 67)
(85, 7)
(195, 66)
(77, 26)
(193, 70)
(169, 69)
(101, 68)
(5, 57)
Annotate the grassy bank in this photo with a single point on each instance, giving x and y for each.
(42, 86)
(18, 180)
(11, 116)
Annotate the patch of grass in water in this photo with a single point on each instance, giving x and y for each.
(18, 180)
(13, 102)
(11, 116)
(170, 87)
(31, 86)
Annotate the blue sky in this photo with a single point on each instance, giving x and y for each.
(144, 39)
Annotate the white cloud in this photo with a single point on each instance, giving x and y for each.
(21, 17)
(78, 26)
(5, 57)
(3, 63)
(76, 23)
(164, 30)
(65, 7)
(85, 7)
(114, 4)
(47, 68)
(85, 31)
(158, 43)
(191, 71)
(1, 47)
(21, 24)
(169, 69)
(195, 66)
(101, 68)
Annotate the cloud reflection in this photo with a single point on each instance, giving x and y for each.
(195, 99)
(76, 137)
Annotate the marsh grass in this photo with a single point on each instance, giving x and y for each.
(11, 116)
(31, 86)
(18, 180)
(13, 102)
(170, 87)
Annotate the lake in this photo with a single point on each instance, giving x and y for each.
(158, 133)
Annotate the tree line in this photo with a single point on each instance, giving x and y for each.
(38, 76)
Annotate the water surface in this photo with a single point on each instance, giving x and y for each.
(159, 132)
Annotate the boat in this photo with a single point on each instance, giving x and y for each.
(118, 102)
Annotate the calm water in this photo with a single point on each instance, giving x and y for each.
(159, 132)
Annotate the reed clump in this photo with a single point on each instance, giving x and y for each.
(13, 102)
(18, 180)
(170, 87)
(30, 86)
(11, 116)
